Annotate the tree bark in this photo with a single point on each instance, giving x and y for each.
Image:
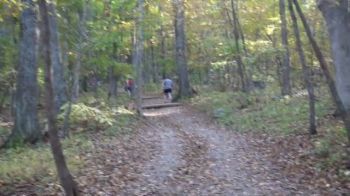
(337, 18)
(58, 80)
(162, 52)
(138, 53)
(180, 48)
(26, 128)
(306, 71)
(324, 66)
(155, 77)
(240, 29)
(241, 67)
(285, 69)
(80, 46)
(65, 177)
(112, 87)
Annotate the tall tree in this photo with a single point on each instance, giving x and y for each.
(337, 16)
(285, 69)
(26, 128)
(65, 177)
(180, 48)
(80, 46)
(322, 61)
(138, 52)
(306, 71)
(58, 80)
(162, 51)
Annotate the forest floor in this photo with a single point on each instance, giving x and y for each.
(180, 151)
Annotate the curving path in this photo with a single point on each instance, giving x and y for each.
(178, 151)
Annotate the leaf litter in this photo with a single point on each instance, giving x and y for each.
(178, 151)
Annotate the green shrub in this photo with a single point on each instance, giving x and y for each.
(152, 88)
(87, 116)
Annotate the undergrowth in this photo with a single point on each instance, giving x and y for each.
(88, 117)
(259, 111)
(28, 164)
(262, 112)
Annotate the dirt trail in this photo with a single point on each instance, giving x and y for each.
(189, 155)
(197, 158)
(178, 151)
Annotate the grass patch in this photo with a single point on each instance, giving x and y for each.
(30, 164)
(122, 125)
(259, 111)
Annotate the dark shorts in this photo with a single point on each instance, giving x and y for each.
(167, 90)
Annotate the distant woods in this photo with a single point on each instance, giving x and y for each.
(229, 45)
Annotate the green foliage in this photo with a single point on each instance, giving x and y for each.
(124, 118)
(36, 164)
(89, 117)
(122, 69)
(168, 66)
(330, 147)
(3, 131)
(260, 111)
(152, 88)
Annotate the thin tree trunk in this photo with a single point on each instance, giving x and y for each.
(285, 69)
(324, 66)
(138, 56)
(240, 29)
(247, 72)
(154, 65)
(162, 55)
(26, 128)
(306, 71)
(65, 177)
(112, 89)
(58, 80)
(80, 46)
(241, 68)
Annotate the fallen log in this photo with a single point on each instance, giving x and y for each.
(163, 105)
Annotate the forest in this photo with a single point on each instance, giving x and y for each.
(174, 97)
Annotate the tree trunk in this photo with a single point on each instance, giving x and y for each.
(58, 80)
(241, 67)
(306, 71)
(155, 78)
(180, 48)
(285, 69)
(80, 47)
(248, 72)
(324, 66)
(162, 51)
(240, 30)
(26, 128)
(337, 17)
(65, 177)
(112, 87)
(138, 53)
